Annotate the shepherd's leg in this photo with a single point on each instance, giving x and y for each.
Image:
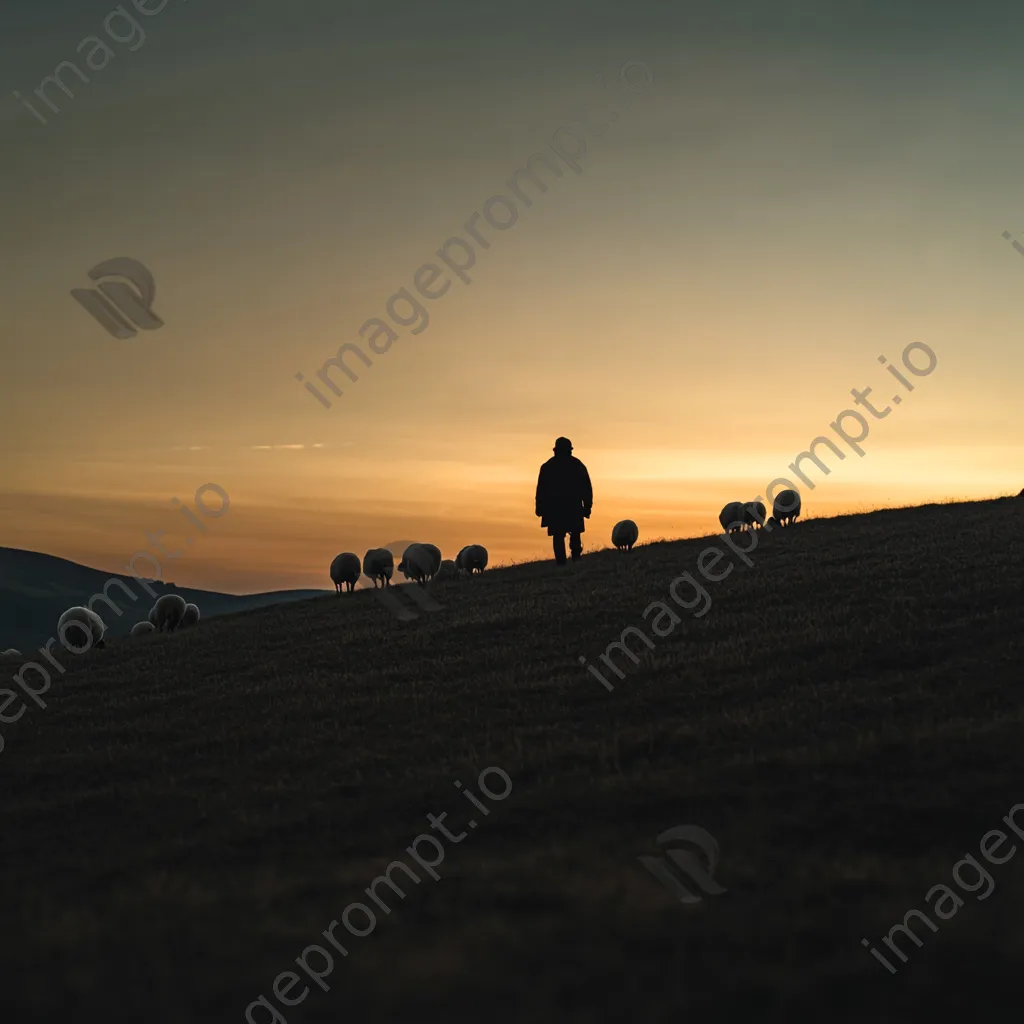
(558, 544)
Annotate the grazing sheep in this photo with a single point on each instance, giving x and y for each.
(754, 513)
(379, 565)
(420, 562)
(446, 571)
(787, 507)
(141, 628)
(191, 616)
(168, 612)
(624, 535)
(11, 653)
(472, 558)
(345, 569)
(732, 517)
(435, 557)
(80, 627)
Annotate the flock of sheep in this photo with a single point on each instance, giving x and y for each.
(423, 562)
(420, 562)
(736, 516)
(749, 515)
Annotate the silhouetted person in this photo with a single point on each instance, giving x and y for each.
(564, 499)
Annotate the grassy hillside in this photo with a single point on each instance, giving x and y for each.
(190, 812)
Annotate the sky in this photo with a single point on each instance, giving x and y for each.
(789, 194)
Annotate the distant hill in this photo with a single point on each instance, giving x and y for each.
(36, 588)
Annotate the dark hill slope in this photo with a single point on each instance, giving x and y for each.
(36, 588)
(190, 812)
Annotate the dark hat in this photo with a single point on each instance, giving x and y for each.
(563, 444)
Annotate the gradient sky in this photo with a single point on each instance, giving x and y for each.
(799, 192)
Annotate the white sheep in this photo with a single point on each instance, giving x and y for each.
(11, 653)
(446, 570)
(141, 628)
(168, 612)
(472, 558)
(191, 616)
(754, 513)
(624, 535)
(80, 627)
(732, 517)
(786, 507)
(345, 569)
(379, 565)
(420, 562)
